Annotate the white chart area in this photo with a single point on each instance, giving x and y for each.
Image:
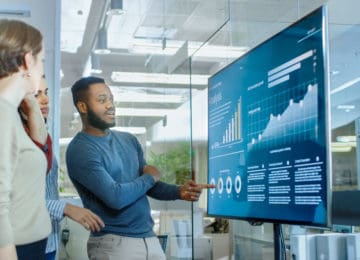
(289, 115)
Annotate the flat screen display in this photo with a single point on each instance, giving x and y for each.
(268, 130)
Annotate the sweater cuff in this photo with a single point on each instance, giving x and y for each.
(149, 179)
(178, 197)
(6, 237)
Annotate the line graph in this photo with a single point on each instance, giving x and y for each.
(285, 118)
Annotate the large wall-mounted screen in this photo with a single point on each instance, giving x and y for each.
(268, 130)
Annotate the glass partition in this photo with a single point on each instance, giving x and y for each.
(250, 23)
(157, 60)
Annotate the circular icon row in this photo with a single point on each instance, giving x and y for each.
(228, 185)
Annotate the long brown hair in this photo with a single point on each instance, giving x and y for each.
(16, 39)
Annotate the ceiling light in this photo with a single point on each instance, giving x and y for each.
(146, 112)
(95, 64)
(116, 7)
(345, 85)
(346, 138)
(346, 108)
(343, 143)
(133, 130)
(341, 147)
(136, 97)
(101, 43)
(159, 78)
(194, 48)
(213, 51)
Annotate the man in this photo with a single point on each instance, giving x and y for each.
(113, 180)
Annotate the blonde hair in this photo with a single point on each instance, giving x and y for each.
(16, 39)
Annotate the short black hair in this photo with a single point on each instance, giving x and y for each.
(80, 87)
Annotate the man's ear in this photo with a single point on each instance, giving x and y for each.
(82, 107)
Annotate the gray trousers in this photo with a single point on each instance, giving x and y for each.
(113, 247)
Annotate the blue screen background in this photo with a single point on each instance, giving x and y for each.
(267, 130)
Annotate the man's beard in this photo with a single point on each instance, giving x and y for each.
(97, 122)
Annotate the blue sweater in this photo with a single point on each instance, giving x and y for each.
(106, 171)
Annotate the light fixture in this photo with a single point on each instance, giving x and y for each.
(159, 78)
(218, 51)
(345, 85)
(95, 64)
(116, 7)
(141, 112)
(346, 138)
(136, 97)
(133, 130)
(205, 51)
(342, 147)
(101, 44)
(346, 108)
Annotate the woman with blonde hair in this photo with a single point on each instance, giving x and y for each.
(24, 221)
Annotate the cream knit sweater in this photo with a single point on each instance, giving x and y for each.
(23, 215)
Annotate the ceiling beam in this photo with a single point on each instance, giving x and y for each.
(73, 64)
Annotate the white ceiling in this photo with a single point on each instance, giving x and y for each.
(137, 37)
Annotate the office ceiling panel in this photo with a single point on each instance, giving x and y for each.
(151, 34)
